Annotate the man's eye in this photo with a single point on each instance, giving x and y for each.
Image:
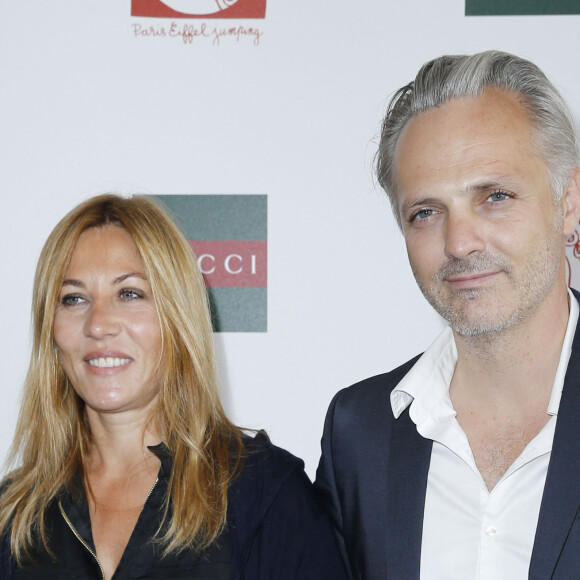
(422, 214)
(497, 196)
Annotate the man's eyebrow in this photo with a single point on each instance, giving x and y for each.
(495, 183)
(418, 202)
(501, 182)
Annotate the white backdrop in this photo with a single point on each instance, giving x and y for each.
(86, 107)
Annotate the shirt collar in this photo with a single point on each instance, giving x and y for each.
(564, 356)
(428, 381)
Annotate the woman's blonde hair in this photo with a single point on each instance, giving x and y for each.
(52, 435)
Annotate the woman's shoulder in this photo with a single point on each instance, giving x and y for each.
(276, 521)
(270, 481)
(264, 459)
(267, 473)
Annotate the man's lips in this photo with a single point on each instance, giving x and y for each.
(471, 279)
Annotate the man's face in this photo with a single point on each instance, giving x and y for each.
(484, 236)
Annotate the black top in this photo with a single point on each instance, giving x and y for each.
(275, 531)
(71, 542)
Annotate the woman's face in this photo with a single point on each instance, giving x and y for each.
(106, 326)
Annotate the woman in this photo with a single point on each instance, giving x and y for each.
(127, 464)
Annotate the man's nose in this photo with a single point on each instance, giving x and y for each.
(463, 235)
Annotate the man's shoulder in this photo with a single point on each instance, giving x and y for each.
(373, 390)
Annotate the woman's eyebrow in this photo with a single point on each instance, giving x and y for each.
(124, 277)
(117, 280)
(71, 282)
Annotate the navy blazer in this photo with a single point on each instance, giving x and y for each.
(373, 479)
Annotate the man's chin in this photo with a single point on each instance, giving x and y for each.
(477, 330)
(489, 324)
(472, 320)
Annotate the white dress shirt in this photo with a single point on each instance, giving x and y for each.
(468, 531)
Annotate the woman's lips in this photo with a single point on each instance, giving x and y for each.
(107, 361)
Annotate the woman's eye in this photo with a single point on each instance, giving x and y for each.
(130, 294)
(71, 300)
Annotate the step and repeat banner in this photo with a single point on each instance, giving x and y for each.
(255, 123)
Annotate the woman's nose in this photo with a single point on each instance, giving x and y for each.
(101, 320)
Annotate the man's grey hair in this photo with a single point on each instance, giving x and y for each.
(456, 76)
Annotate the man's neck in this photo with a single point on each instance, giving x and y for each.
(517, 360)
(502, 384)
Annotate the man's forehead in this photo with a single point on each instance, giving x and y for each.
(463, 125)
(494, 105)
(466, 144)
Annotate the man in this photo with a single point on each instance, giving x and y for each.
(464, 463)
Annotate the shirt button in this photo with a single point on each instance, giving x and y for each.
(491, 531)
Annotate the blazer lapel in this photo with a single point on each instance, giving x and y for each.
(561, 498)
(408, 467)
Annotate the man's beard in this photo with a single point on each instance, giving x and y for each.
(525, 290)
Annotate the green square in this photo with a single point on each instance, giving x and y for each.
(520, 7)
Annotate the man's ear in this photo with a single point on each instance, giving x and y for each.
(571, 202)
